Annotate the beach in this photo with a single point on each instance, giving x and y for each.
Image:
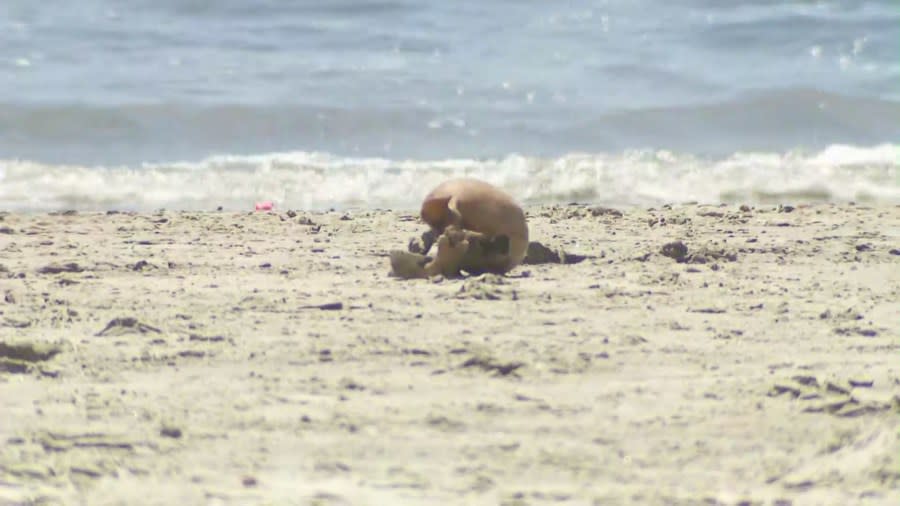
(269, 358)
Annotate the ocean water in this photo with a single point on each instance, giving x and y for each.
(190, 104)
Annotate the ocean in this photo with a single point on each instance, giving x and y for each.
(193, 105)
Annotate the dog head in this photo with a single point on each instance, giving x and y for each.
(435, 213)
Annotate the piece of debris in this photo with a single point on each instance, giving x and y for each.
(126, 325)
(13, 366)
(28, 352)
(206, 339)
(57, 268)
(490, 365)
(18, 358)
(141, 265)
(678, 251)
(16, 324)
(170, 431)
(605, 211)
(328, 306)
(848, 331)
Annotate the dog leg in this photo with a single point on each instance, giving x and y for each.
(451, 249)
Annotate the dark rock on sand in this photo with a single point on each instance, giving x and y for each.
(539, 254)
(676, 250)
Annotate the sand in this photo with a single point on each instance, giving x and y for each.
(268, 358)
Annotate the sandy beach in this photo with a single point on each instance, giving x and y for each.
(269, 358)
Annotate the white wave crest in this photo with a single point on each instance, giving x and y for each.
(315, 181)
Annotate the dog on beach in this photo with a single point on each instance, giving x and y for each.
(478, 228)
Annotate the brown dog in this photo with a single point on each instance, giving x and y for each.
(468, 211)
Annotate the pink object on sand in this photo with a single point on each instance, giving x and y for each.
(264, 206)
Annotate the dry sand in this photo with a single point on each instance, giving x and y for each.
(194, 366)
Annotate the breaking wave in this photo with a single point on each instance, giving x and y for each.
(316, 181)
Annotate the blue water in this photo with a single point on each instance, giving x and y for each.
(102, 87)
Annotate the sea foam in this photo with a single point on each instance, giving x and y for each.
(317, 181)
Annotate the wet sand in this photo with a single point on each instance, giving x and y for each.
(268, 358)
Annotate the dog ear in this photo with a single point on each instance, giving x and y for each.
(434, 212)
